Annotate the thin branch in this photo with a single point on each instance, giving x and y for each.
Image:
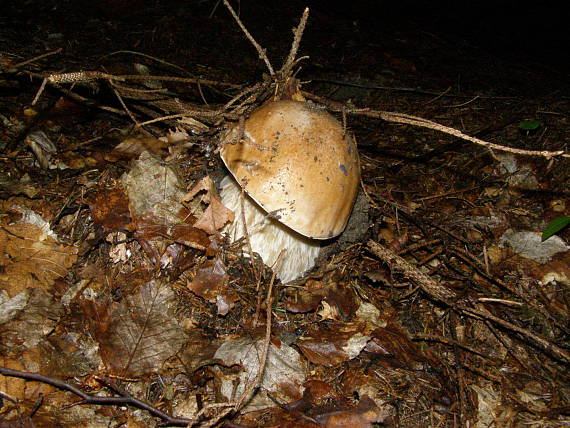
(251, 387)
(36, 58)
(424, 123)
(95, 399)
(260, 50)
(547, 346)
(442, 294)
(298, 34)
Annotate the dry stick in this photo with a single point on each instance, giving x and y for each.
(476, 265)
(298, 34)
(451, 342)
(424, 123)
(416, 121)
(161, 61)
(446, 296)
(36, 58)
(131, 115)
(538, 340)
(260, 50)
(246, 234)
(87, 76)
(80, 99)
(427, 284)
(249, 391)
(94, 399)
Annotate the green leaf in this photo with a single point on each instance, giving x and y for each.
(530, 125)
(555, 226)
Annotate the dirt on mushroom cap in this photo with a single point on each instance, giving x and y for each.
(296, 161)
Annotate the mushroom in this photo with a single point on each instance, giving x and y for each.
(299, 172)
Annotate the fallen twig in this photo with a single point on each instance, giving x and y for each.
(443, 295)
(260, 50)
(95, 399)
(407, 119)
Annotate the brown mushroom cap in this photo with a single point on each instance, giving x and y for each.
(296, 161)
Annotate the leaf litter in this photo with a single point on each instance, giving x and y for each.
(116, 278)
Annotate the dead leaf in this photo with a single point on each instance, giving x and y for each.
(110, 209)
(283, 376)
(27, 318)
(136, 145)
(340, 298)
(137, 335)
(330, 345)
(216, 216)
(31, 258)
(360, 416)
(211, 282)
(154, 189)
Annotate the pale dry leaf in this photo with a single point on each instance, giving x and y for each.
(215, 217)
(27, 319)
(154, 189)
(31, 258)
(205, 184)
(283, 376)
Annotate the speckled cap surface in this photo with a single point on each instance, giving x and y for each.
(296, 161)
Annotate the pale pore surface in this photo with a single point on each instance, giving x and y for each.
(267, 236)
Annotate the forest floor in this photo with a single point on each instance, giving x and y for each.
(448, 310)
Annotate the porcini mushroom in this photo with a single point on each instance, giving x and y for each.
(299, 171)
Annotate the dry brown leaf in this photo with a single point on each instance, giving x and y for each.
(216, 215)
(137, 145)
(211, 282)
(335, 343)
(137, 335)
(31, 258)
(110, 208)
(360, 416)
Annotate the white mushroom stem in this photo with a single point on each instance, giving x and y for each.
(267, 236)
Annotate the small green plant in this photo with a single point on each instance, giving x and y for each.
(555, 226)
(530, 125)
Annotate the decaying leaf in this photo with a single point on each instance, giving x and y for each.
(211, 282)
(332, 410)
(110, 209)
(137, 335)
(283, 376)
(31, 258)
(340, 299)
(27, 318)
(335, 344)
(138, 145)
(530, 245)
(154, 189)
(216, 215)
